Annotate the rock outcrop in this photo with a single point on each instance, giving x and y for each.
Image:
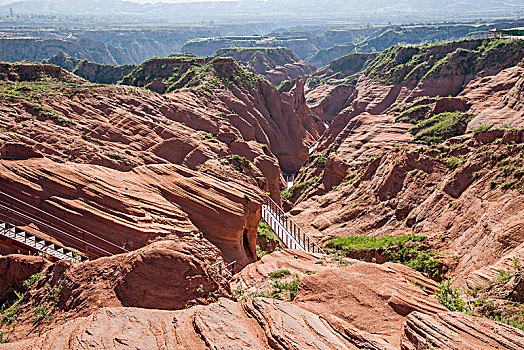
(129, 209)
(457, 330)
(168, 275)
(241, 99)
(275, 64)
(456, 194)
(94, 72)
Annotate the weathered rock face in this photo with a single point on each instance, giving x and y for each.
(497, 100)
(35, 72)
(170, 275)
(258, 323)
(275, 64)
(456, 330)
(330, 90)
(396, 76)
(206, 46)
(375, 299)
(337, 306)
(15, 269)
(16, 49)
(132, 208)
(241, 103)
(371, 186)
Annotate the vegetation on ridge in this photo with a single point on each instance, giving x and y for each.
(441, 127)
(400, 64)
(408, 249)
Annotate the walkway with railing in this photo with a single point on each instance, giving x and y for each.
(51, 235)
(286, 229)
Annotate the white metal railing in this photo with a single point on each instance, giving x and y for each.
(75, 241)
(286, 229)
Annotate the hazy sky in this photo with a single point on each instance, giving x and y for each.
(172, 1)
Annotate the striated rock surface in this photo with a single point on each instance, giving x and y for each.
(370, 177)
(330, 89)
(457, 330)
(37, 49)
(457, 194)
(253, 324)
(15, 269)
(374, 299)
(103, 146)
(132, 208)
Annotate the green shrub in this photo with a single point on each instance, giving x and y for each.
(208, 135)
(92, 139)
(31, 280)
(279, 273)
(41, 313)
(261, 253)
(119, 157)
(454, 162)
(285, 290)
(414, 114)
(10, 314)
(4, 338)
(265, 231)
(451, 297)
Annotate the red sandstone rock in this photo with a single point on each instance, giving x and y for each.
(133, 208)
(373, 298)
(15, 269)
(458, 331)
(169, 275)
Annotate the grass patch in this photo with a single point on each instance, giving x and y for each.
(119, 157)
(407, 249)
(368, 242)
(49, 114)
(441, 127)
(296, 190)
(279, 273)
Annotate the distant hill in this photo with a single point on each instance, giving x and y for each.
(17, 49)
